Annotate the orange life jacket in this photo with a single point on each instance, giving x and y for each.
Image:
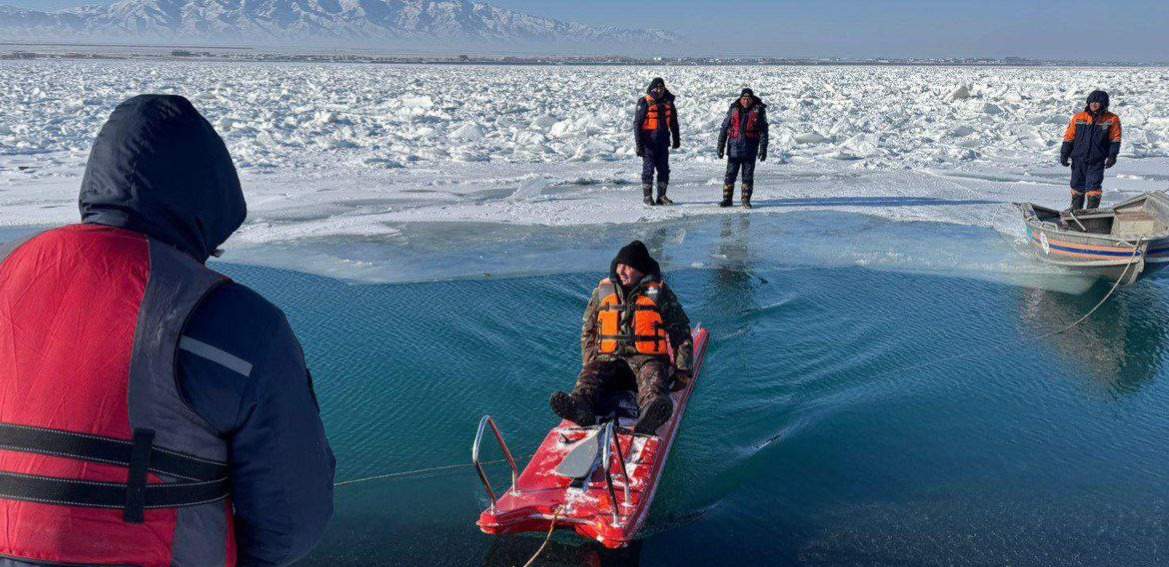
(635, 326)
(654, 117)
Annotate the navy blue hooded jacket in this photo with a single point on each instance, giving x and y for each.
(159, 168)
(667, 130)
(749, 143)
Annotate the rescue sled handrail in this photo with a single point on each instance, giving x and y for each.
(621, 460)
(607, 437)
(515, 473)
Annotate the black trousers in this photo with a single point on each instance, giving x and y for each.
(1087, 177)
(746, 165)
(655, 157)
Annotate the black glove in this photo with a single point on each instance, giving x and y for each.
(720, 154)
(677, 145)
(1111, 161)
(762, 156)
(640, 151)
(1065, 161)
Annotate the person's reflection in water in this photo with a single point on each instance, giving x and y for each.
(1119, 346)
(732, 277)
(510, 551)
(656, 240)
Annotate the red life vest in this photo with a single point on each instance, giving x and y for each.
(751, 130)
(636, 326)
(657, 115)
(102, 463)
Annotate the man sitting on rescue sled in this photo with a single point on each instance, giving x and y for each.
(630, 323)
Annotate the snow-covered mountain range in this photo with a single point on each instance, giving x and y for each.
(330, 22)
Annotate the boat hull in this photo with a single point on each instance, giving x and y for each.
(1100, 259)
(1121, 244)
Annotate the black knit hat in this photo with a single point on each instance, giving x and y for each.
(656, 82)
(747, 92)
(636, 256)
(1100, 97)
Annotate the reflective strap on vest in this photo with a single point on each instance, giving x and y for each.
(216, 355)
(206, 481)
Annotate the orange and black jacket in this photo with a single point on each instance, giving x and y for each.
(1092, 138)
(656, 122)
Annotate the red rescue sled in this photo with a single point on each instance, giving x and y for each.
(607, 498)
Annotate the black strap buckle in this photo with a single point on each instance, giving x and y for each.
(136, 485)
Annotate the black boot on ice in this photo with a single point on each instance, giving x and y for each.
(662, 198)
(654, 415)
(747, 189)
(573, 409)
(1092, 202)
(647, 194)
(1077, 201)
(728, 193)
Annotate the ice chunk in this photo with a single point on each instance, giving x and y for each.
(810, 138)
(468, 132)
(960, 93)
(992, 109)
(422, 102)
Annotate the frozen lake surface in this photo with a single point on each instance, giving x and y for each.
(335, 157)
(883, 238)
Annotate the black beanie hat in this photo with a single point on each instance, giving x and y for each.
(1100, 97)
(636, 256)
(656, 82)
(747, 92)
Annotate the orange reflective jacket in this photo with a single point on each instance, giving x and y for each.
(657, 114)
(635, 326)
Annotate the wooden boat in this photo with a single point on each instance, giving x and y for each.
(599, 480)
(1124, 242)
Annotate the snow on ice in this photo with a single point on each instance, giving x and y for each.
(343, 151)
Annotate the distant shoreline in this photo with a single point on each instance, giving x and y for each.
(228, 53)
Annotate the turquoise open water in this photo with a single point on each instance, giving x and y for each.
(822, 431)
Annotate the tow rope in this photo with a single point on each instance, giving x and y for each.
(419, 472)
(547, 538)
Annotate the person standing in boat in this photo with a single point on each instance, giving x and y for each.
(655, 131)
(632, 322)
(743, 139)
(1090, 145)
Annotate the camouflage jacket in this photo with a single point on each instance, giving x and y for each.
(674, 317)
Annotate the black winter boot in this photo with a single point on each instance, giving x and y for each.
(1093, 202)
(747, 189)
(728, 193)
(654, 415)
(647, 194)
(1077, 201)
(662, 198)
(573, 408)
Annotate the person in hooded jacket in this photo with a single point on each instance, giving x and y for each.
(1091, 144)
(632, 322)
(175, 404)
(655, 131)
(743, 138)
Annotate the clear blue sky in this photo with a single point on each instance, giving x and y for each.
(1076, 29)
